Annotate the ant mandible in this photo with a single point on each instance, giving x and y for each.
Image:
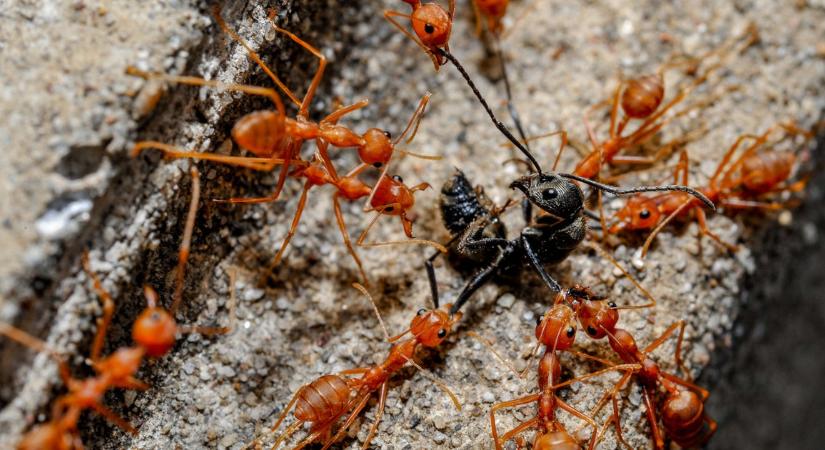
(328, 398)
(154, 333)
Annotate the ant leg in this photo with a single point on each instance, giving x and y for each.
(658, 441)
(110, 415)
(489, 344)
(170, 151)
(290, 430)
(428, 264)
(185, 244)
(508, 404)
(663, 337)
(618, 421)
(382, 399)
(389, 14)
(520, 429)
(108, 310)
(703, 228)
(577, 413)
(339, 217)
(415, 120)
(694, 387)
(478, 280)
(286, 411)
(614, 110)
(537, 266)
(336, 115)
(319, 73)
(747, 204)
(216, 12)
(197, 81)
(360, 242)
(677, 355)
(350, 420)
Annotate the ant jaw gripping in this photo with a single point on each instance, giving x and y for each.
(553, 194)
(430, 327)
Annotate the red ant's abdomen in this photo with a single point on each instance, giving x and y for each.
(557, 440)
(322, 400)
(260, 132)
(683, 416)
(761, 173)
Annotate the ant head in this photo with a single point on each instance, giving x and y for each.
(155, 330)
(681, 407)
(597, 316)
(639, 213)
(432, 24)
(557, 328)
(392, 196)
(431, 326)
(553, 194)
(260, 132)
(643, 95)
(377, 148)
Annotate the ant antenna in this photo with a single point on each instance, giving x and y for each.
(366, 293)
(625, 191)
(501, 127)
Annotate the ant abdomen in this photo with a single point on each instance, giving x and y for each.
(683, 417)
(260, 132)
(643, 95)
(323, 399)
(557, 440)
(460, 204)
(762, 172)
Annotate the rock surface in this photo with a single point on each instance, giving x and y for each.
(68, 184)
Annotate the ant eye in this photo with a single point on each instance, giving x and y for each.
(429, 28)
(549, 194)
(591, 330)
(442, 332)
(422, 311)
(377, 165)
(388, 135)
(571, 332)
(389, 209)
(644, 214)
(538, 320)
(611, 304)
(398, 178)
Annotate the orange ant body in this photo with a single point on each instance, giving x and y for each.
(432, 25)
(742, 185)
(493, 11)
(641, 98)
(683, 415)
(328, 398)
(276, 139)
(154, 333)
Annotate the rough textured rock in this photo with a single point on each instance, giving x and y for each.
(68, 184)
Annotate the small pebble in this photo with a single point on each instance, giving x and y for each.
(506, 300)
(488, 397)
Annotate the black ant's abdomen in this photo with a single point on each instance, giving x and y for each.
(460, 203)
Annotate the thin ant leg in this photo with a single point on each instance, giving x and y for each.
(108, 310)
(339, 217)
(647, 396)
(216, 331)
(336, 115)
(415, 120)
(111, 416)
(627, 274)
(508, 404)
(382, 400)
(350, 420)
(183, 253)
(519, 429)
(747, 204)
(487, 343)
(501, 127)
(478, 280)
(662, 224)
(379, 212)
(366, 293)
(216, 12)
(170, 151)
(537, 266)
(296, 219)
(319, 72)
(577, 413)
(703, 229)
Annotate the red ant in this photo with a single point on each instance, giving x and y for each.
(276, 139)
(742, 185)
(683, 413)
(154, 333)
(329, 397)
(641, 99)
(493, 12)
(432, 25)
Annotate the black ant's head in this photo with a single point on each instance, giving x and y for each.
(552, 193)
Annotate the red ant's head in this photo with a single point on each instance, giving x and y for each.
(639, 213)
(557, 328)
(643, 95)
(394, 198)
(431, 326)
(154, 329)
(377, 148)
(555, 440)
(596, 315)
(432, 24)
(123, 363)
(260, 132)
(493, 8)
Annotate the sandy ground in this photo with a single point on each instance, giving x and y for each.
(67, 145)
